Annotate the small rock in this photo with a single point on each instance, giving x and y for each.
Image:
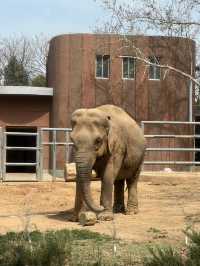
(87, 218)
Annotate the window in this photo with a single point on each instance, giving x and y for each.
(154, 71)
(102, 66)
(128, 67)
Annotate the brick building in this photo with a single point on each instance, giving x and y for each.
(87, 70)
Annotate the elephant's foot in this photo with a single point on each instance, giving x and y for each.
(105, 216)
(118, 208)
(131, 211)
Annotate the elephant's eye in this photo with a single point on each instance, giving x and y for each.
(98, 142)
(73, 123)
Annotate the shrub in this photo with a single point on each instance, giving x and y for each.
(164, 257)
(53, 248)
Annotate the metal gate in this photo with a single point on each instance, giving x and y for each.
(5, 148)
(52, 143)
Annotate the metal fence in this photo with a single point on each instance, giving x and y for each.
(53, 143)
(192, 136)
(50, 138)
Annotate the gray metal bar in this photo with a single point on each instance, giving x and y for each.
(142, 126)
(37, 148)
(4, 155)
(56, 129)
(21, 164)
(171, 162)
(172, 136)
(67, 149)
(172, 122)
(1, 152)
(22, 148)
(58, 143)
(172, 149)
(54, 155)
(41, 153)
(21, 133)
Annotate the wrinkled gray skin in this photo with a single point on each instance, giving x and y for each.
(109, 141)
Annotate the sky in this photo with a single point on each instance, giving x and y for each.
(50, 17)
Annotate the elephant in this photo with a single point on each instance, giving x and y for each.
(109, 141)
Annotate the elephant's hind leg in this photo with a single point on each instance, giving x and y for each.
(132, 203)
(119, 196)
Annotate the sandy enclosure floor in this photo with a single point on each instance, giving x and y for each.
(168, 204)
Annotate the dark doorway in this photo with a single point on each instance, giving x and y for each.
(21, 156)
(197, 140)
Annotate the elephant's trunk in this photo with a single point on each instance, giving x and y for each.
(84, 171)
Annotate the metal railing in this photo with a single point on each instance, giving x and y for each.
(53, 143)
(53, 140)
(172, 136)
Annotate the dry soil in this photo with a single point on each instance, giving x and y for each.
(168, 204)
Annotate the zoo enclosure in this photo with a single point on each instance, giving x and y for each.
(166, 146)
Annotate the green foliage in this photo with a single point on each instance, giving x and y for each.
(39, 81)
(170, 257)
(53, 248)
(15, 73)
(164, 257)
(82, 247)
(194, 248)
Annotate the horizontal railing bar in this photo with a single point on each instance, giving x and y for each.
(55, 129)
(171, 122)
(21, 164)
(172, 136)
(170, 162)
(173, 149)
(57, 143)
(21, 133)
(22, 148)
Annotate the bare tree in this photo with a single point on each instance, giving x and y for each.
(172, 17)
(30, 52)
(153, 17)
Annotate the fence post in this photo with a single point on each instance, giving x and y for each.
(54, 155)
(67, 151)
(1, 154)
(41, 153)
(4, 144)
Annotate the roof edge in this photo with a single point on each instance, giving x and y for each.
(26, 90)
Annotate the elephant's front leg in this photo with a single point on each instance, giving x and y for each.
(79, 205)
(111, 171)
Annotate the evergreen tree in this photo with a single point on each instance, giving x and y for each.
(39, 81)
(15, 73)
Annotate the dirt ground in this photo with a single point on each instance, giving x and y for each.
(168, 204)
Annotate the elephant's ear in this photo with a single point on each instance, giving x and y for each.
(112, 136)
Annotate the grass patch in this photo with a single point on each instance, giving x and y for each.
(82, 247)
(64, 247)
